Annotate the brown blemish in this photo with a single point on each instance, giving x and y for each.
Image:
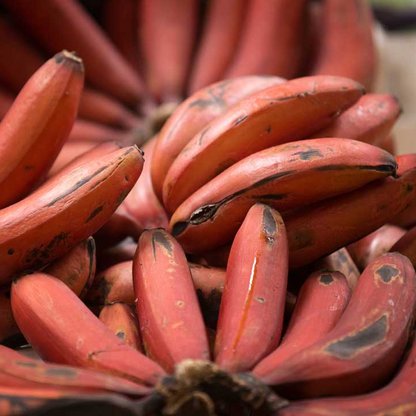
(61, 372)
(121, 335)
(303, 237)
(353, 344)
(387, 273)
(310, 154)
(203, 133)
(326, 279)
(240, 120)
(10, 251)
(180, 304)
(260, 300)
(26, 364)
(159, 237)
(28, 167)
(269, 225)
(94, 213)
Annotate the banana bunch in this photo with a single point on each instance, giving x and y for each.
(144, 57)
(260, 261)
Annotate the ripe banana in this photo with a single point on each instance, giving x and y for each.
(375, 244)
(273, 116)
(142, 203)
(120, 20)
(197, 112)
(396, 398)
(37, 230)
(76, 269)
(65, 24)
(171, 323)
(43, 306)
(369, 120)
(347, 27)
(320, 305)
(252, 307)
(286, 177)
(363, 349)
(272, 39)
(40, 120)
(220, 36)
(120, 318)
(317, 230)
(167, 33)
(19, 371)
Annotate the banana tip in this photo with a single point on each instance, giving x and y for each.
(70, 58)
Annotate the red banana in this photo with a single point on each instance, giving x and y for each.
(197, 112)
(286, 177)
(120, 318)
(317, 230)
(364, 251)
(58, 24)
(45, 309)
(252, 307)
(171, 323)
(167, 31)
(19, 371)
(220, 36)
(369, 120)
(40, 120)
(120, 21)
(35, 231)
(273, 116)
(347, 27)
(271, 40)
(363, 349)
(319, 306)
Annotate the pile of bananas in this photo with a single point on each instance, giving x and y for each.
(259, 261)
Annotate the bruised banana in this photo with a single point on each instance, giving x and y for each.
(120, 318)
(319, 229)
(319, 306)
(285, 177)
(252, 307)
(43, 306)
(35, 231)
(40, 121)
(364, 348)
(276, 115)
(171, 323)
(195, 113)
(369, 120)
(396, 398)
(364, 251)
